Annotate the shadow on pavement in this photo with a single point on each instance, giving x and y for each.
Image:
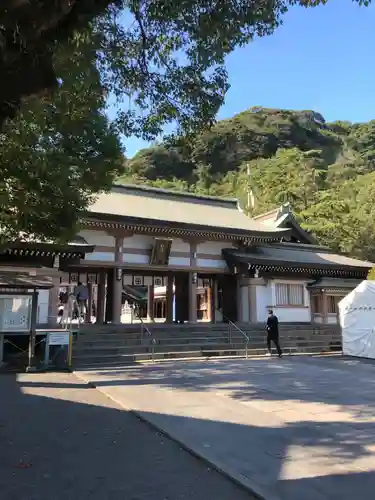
(65, 441)
(292, 378)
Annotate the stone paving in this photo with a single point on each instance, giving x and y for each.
(61, 440)
(299, 428)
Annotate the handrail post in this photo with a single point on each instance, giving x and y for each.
(245, 336)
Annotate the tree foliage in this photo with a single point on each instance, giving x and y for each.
(56, 154)
(324, 170)
(163, 60)
(166, 55)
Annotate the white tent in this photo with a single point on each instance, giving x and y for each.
(357, 320)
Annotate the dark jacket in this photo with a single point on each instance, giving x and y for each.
(272, 325)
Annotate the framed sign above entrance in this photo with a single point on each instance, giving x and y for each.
(160, 252)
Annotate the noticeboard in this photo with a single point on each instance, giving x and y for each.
(58, 338)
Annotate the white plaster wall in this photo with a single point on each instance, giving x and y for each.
(132, 258)
(179, 245)
(139, 241)
(217, 264)
(43, 300)
(263, 301)
(179, 261)
(245, 310)
(97, 237)
(292, 314)
(103, 256)
(212, 247)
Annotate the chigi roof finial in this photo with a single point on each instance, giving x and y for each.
(285, 208)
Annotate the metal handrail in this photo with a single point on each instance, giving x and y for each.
(232, 324)
(145, 328)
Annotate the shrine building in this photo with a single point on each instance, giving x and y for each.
(183, 257)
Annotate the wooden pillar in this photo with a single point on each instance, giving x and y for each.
(182, 296)
(239, 299)
(212, 300)
(53, 302)
(324, 307)
(1, 350)
(208, 301)
(193, 278)
(150, 304)
(117, 296)
(109, 297)
(117, 281)
(169, 299)
(89, 303)
(253, 313)
(101, 299)
(34, 312)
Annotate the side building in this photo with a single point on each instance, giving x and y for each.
(189, 258)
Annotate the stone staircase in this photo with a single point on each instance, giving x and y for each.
(116, 345)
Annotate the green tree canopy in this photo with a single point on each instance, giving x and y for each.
(324, 170)
(167, 55)
(55, 155)
(164, 62)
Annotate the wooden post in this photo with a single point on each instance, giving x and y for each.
(109, 297)
(324, 307)
(1, 350)
(117, 281)
(89, 303)
(209, 304)
(34, 312)
(239, 299)
(193, 278)
(169, 299)
(53, 301)
(150, 304)
(101, 299)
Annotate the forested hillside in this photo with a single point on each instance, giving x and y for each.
(325, 170)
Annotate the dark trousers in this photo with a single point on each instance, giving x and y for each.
(273, 337)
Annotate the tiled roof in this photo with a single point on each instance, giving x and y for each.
(24, 280)
(161, 206)
(283, 217)
(296, 255)
(332, 283)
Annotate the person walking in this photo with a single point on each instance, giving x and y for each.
(82, 294)
(272, 328)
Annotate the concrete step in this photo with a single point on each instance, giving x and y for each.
(125, 359)
(118, 345)
(164, 341)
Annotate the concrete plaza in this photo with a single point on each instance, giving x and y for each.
(61, 440)
(290, 429)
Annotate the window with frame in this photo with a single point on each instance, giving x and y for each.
(316, 304)
(288, 294)
(333, 303)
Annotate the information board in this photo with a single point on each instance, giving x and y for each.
(58, 338)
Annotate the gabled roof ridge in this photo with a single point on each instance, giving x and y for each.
(304, 246)
(177, 194)
(265, 214)
(279, 212)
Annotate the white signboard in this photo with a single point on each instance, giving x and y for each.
(58, 338)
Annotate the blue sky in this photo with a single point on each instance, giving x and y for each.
(320, 59)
